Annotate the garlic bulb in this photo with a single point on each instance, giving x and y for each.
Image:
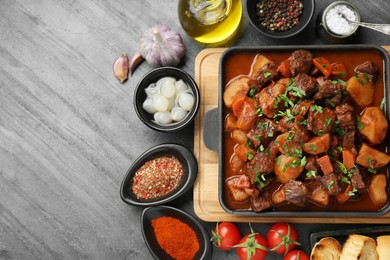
(160, 46)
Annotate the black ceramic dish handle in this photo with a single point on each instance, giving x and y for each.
(211, 129)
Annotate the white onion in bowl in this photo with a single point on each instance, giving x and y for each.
(186, 101)
(162, 118)
(180, 86)
(148, 106)
(160, 103)
(168, 89)
(152, 90)
(178, 113)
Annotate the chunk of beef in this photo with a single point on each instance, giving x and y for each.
(263, 162)
(331, 184)
(265, 75)
(300, 62)
(311, 164)
(261, 202)
(345, 117)
(331, 93)
(318, 194)
(301, 133)
(236, 186)
(265, 130)
(296, 192)
(369, 68)
(321, 123)
(357, 180)
(285, 124)
(348, 140)
(305, 83)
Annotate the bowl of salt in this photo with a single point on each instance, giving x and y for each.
(333, 23)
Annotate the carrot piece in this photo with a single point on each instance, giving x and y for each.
(343, 197)
(339, 70)
(348, 159)
(323, 65)
(325, 164)
(284, 69)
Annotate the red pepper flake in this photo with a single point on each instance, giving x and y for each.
(157, 177)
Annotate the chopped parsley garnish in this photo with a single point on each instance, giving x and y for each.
(316, 108)
(328, 121)
(248, 143)
(339, 131)
(359, 79)
(290, 136)
(295, 91)
(252, 92)
(277, 161)
(371, 171)
(313, 147)
(250, 155)
(330, 103)
(342, 167)
(303, 122)
(365, 75)
(330, 184)
(352, 192)
(267, 74)
(311, 173)
(261, 148)
(259, 178)
(383, 103)
(359, 124)
(345, 180)
(258, 111)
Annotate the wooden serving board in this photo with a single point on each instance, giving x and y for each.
(206, 203)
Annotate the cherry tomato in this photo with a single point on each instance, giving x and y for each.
(225, 235)
(252, 247)
(296, 255)
(282, 237)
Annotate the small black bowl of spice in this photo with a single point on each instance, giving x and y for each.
(170, 233)
(280, 18)
(161, 174)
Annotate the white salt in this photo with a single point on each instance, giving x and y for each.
(337, 24)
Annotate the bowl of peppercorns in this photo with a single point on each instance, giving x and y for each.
(280, 18)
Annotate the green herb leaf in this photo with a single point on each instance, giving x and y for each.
(250, 155)
(359, 79)
(252, 92)
(261, 148)
(277, 161)
(311, 173)
(352, 192)
(383, 103)
(339, 131)
(316, 108)
(345, 180)
(258, 111)
(248, 143)
(359, 124)
(330, 184)
(328, 121)
(371, 170)
(342, 167)
(313, 147)
(267, 74)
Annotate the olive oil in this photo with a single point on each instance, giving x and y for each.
(210, 21)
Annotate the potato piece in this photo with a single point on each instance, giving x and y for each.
(361, 94)
(267, 98)
(371, 158)
(279, 196)
(287, 168)
(230, 122)
(318, 194)
(285, 145)
(234, 87)
(239, 136)
(247, 115)
(235, 163)
(377, 189)
(258, 62)
(375, 125)
(317, 144)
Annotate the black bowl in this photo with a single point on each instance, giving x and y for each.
(190, 171)
(152, 77)
(205, 248)
(304, 20)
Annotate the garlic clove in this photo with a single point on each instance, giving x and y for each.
(134, 61)
(121, 68)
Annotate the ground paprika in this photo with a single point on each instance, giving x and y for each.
(175, 237)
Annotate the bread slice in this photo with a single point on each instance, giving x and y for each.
(359, 247)
(327, 248)
(383, 247)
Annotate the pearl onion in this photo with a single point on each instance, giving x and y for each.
(180, 86)
(163, 117)
(168, 89)
(186, 101)
(178, 114)
(160, 103)
(148, 106)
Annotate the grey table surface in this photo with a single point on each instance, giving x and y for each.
(69, 132)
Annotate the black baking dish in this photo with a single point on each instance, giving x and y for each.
(219, 112)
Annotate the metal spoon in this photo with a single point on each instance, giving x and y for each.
(383, 28)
